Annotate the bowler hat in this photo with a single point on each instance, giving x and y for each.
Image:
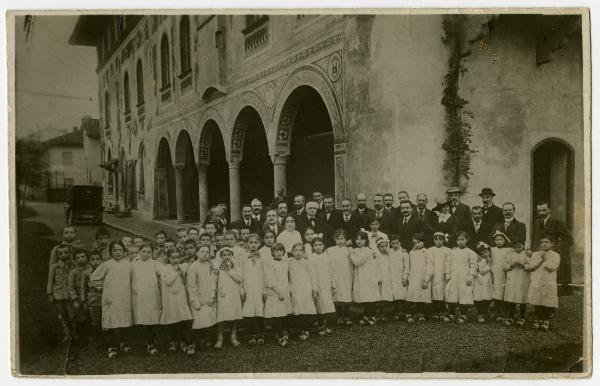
(487, 192)
(452, 189)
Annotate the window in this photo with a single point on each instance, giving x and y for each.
(165, 77)
(184, 44)
(141, 182)
(139, 74)
(126, 93)
(106, 110)
(67, 158)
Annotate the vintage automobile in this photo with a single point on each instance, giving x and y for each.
(84, 204)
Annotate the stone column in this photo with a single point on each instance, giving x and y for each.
(234, 189)
(179, 193)
(202, 189)
(279, 173)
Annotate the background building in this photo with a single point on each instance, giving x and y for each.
(199, 108)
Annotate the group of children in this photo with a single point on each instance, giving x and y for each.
(205, 284)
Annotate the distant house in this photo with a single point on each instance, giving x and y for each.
(73, 159)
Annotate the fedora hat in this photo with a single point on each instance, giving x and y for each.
(487, 192)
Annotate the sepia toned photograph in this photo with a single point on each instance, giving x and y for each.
(350, 193)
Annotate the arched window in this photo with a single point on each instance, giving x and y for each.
(109, 175)
(106, 110)
(184, 44)
(165, 76)
(139, 75)
(141, 181)
(126, 93)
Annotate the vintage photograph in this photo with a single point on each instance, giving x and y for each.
(355, 193)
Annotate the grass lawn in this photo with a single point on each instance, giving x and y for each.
(394, 347)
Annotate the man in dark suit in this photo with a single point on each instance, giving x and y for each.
(350, 223)
(246, 221)
(403, 195)
(491, 213)
(408, 225)
(546, 225)
(515, 230)
(258, 218)
(477, 229)
(459, 210)
(282, 213)
(388, 202)
(428, 217)
(362, 212)
(387, 221)
(330, 214)
(310, 219)
(299, 209)
(272, 223)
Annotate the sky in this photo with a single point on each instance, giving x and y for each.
(51, 66)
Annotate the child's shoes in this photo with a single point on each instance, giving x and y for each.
(545, 325)
(349, 322)
(410, 319)
(520, 322)
(283, 341)
(536, 324)
(508, 322)
(445, 318)
(234, 342)
(219, 344)
(252, 340)
(328, 331)
(112, 352)
(481, 318)
(435, 317)
(191, 349)
(260, 340)
(371, 321)
(421, 318)
(303, 335)
(152, 350)
(462, 319)
(321, 331)
(124, 347)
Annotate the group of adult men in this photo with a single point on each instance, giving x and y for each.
(479, 222)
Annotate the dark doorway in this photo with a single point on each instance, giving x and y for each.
(164, 183)
(218, 171)
(190, 183)
(256, 168)
(553, 179)
(311, 163)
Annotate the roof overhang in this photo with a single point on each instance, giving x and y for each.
(88, 29)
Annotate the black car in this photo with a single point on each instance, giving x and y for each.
(84, 204)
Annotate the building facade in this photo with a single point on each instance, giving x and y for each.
(195, 109)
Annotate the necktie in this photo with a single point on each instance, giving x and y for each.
(405, 220)
(421, 213)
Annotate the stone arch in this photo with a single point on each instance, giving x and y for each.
(248, 99)
(164, 181)
(214, 116)
(184, 142)
(287, 106)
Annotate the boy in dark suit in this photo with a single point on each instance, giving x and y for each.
(491, 213)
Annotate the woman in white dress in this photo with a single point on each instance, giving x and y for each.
(289, 236)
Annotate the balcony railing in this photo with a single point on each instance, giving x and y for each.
(185, 80)
(165, 93)
(257, 38)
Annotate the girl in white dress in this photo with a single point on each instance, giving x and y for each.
(399, 267)
(461, 273)
(304, 290)
(543, 294)
(117, 315)
(265, 250)
(441, 258)
(484, 288)
(229, 299)
(418, 293)
(382, 254)
(289, 236)
(309, 236)
(323, 266)
(341, 271)
(201, 285)
(278, 304)
(499, 251)
(147, 305)
(517, 284)
(253, 292)
(367, 278)
(175, 306)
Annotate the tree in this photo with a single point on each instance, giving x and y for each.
(30, 168)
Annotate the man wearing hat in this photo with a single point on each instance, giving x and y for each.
(459, 210)
(491, 213)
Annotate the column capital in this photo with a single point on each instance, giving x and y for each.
(178, 166)
(234, 162)
(201, 165)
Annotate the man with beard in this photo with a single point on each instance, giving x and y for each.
(363, 213)
(282, 212)
(299, 203)
(491, 213)
(330, 214)
(387, 223)
(546, 225)
(477, 229)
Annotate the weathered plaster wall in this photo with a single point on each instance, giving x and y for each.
(393, 78)
(516, 104)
